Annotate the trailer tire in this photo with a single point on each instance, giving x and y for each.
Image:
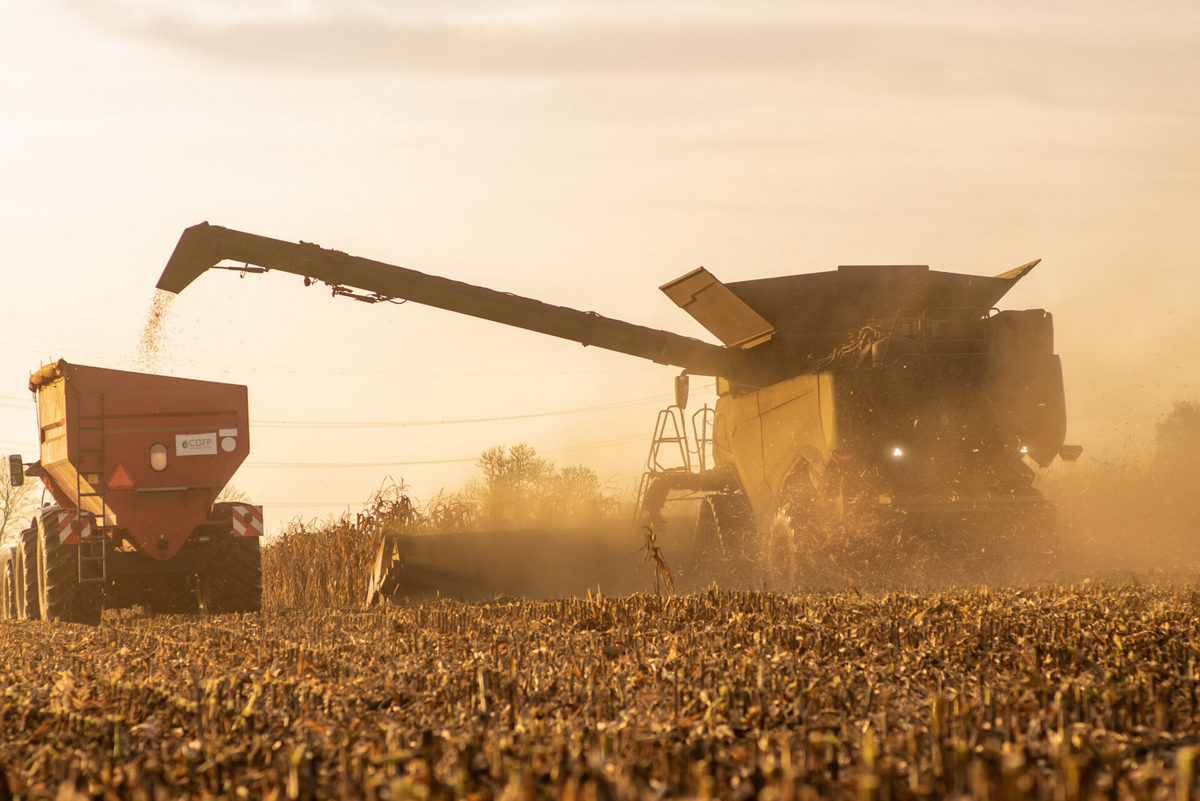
(174, 598)
(8, 584)
(29, 573)
(233, 582)
(222, 510)
(61, 595)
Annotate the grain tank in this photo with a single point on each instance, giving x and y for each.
(132, 465)
(894, 391)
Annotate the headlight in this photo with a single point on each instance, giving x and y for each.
(897, 452)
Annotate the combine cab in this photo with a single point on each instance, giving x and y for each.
(857, 398)
(133, 464)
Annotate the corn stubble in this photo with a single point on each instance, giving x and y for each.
(1076, 692)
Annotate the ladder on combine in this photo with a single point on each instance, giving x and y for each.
(89, 484)
(673, 451)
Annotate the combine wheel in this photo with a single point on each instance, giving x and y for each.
(8, 584)
(807, 543)
(725, 547)
(735, 521)
(234, 581)
(61, 596)
(29, 574)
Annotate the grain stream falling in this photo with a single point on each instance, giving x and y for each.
(154, 332)
(1081, 692)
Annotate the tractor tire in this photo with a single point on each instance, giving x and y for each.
(61, 596)
(29, 570)
(8, 584)
(233, 583)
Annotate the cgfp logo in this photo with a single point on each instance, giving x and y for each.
(196, 444)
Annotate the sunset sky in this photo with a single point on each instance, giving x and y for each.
(582, 153)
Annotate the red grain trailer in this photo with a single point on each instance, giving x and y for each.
(132, 464)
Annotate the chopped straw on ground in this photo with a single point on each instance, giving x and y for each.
(1079, 692)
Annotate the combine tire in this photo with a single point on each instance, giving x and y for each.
(29, 571)
(234, 581)
(8, 584)
(725, 536)
(61, 596)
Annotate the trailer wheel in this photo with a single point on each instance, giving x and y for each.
(8, 584)
(61, 596)
(29, 571)
(233, 582)
(174, 597)
(222, 510)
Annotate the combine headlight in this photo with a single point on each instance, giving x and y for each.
(897, 452)
(1024, 449)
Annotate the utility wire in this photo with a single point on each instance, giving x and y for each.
(458, 421)
(564, 449)
(226, 367)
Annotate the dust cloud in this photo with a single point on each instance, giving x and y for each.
(1130, 517)
(153, 336)
(1138, 513)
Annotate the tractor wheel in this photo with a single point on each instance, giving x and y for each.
(29, 570)
(61, 596)
(233, 582)
(8, 584)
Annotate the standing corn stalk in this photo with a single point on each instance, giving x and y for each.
(652, 553)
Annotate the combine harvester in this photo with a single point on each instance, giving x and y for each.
(133, 464)
(895, 397)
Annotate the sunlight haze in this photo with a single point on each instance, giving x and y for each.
(581, 153)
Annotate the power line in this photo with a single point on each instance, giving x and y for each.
(360, 464)
(564, 449)
(460, 421)
(124, 358)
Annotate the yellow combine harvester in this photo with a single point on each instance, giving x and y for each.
(872, 395)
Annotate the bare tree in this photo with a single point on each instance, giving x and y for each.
(17, 504)
(233, 494)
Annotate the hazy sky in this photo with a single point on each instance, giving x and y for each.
(582, 153)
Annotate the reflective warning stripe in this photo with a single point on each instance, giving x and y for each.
(70, 528)
(247, 520)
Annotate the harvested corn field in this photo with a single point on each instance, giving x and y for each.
(1081, 692)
